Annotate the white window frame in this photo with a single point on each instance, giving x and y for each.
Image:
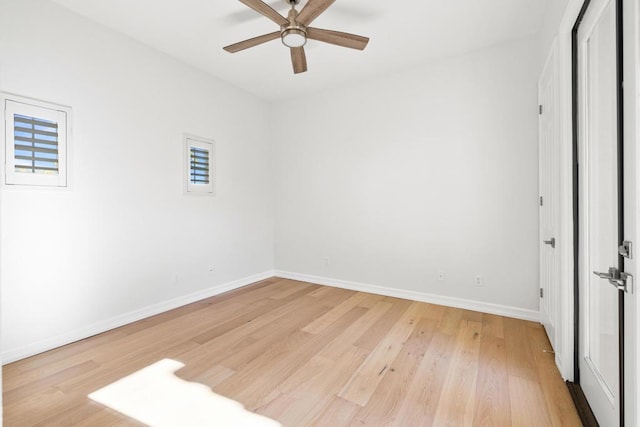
(61, 114)
(205, 144)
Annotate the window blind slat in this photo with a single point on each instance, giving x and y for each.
(34, 121)
(35, 141)
(36, 149)
(36, 168)
(36, 132)
(36, 158)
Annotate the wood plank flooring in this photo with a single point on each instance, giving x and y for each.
(303, 354)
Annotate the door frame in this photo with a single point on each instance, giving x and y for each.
(565, 331)
(631, 74)
(579, 397)
(629, 395)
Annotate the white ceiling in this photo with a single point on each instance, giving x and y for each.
(402, 34)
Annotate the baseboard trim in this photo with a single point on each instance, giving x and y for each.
(582, 405)
(13, 355)
(484, 307)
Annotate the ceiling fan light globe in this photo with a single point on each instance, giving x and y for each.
(294, 37)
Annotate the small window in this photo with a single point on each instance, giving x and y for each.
(36, 139)
(199, 165)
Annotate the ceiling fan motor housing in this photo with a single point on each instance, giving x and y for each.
(293, 34)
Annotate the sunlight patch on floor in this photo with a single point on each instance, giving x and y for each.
(157, 397)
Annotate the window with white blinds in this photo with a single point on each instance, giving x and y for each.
(36, 139)
(199, 165)
(35, 145)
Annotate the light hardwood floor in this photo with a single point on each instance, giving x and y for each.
(304, 354)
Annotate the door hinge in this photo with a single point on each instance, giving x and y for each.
(541, 293)
(625, 249)
(540, 109)
(551, 242)
(541, 201)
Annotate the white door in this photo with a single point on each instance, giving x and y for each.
(549, 197)
(599, 206)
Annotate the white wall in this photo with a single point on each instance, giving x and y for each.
(432, 169)
(113, 244)
(551, 24)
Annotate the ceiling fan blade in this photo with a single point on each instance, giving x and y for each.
(336, 37)
(312, 10)
(266, 10)
(299, 60)
(246, 44)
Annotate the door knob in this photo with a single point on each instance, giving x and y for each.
(551, 242)
(619, 279)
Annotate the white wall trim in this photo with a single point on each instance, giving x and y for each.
(484, 307)
(13, 355)
(564, 360)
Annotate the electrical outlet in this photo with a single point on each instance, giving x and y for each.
(478, 280)
(441, 276)
(327, 261)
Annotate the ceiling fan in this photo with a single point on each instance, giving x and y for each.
(295, 30)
